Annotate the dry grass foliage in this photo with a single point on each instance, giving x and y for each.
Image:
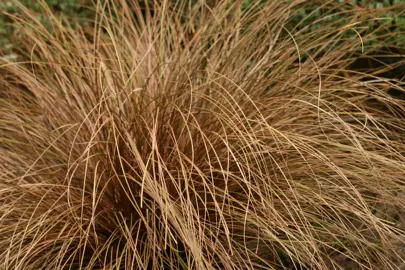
(199, 136)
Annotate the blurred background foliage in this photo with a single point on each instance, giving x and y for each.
(306, 19)
(77, 11)
(80, 11)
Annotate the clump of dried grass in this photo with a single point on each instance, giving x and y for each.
(199, 136)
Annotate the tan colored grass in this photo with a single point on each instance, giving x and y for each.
(189, 136)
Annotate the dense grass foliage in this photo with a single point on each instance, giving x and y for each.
(200, 135)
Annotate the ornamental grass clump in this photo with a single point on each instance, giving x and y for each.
(200, 135)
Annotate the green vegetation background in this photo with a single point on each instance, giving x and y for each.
(80, 11)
